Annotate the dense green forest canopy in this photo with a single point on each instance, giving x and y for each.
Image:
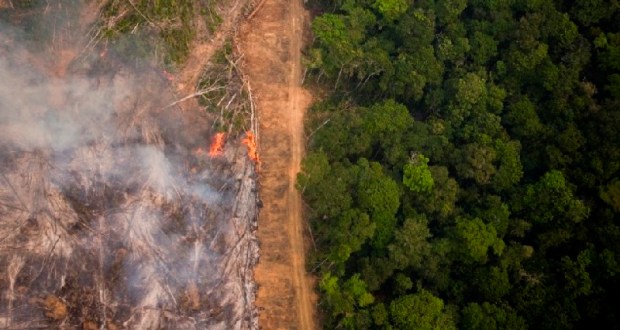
(463, 169)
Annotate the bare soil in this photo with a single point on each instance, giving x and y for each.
(271, 43)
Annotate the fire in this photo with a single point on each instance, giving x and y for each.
(250, 142)
(217, 145)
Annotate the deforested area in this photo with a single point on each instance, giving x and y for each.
(118, 208)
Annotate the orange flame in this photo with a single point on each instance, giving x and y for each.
(250, 142)
(217, 145)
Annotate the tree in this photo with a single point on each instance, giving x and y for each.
(314, 169)
(589, 12)
(448, 11)
(414, 70)
(469, 92)
(346, 235)
(386, 123)
(610, 193)
(391, 9)
(344, 134)
(324, 186)
(470, 89)
(452, 49)
(378, 195)
(523, 119)
(482, 128)
(421, 311)
(576, 277)
(492, 283)
(417, 176)
(410, 244)
(487, 316)
(483, 48)
(474, 238)
(476, 163)
(380, 314)
(337, 48)
(339, 41)
(510, 170)
(494, 211)
(345, 300)
(551, 199)
(441, 200)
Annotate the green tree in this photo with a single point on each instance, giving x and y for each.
(610, 193)
(492, 283)
(340, 39)
(345, 299)
(474, 238)
(421, 311)
(510, 170)
(452, 49)
(469, 92)
(483, 48)
(523, 119)
(494, 211)
(391, 9)
(410, 244)
(589, 12)
(416, 174)
(576, 277)
(386, 123)
(476, 163)
(343, 134)
(337, 46)
(345, 236)
(448, 11)
(487, 316)
(378, 194)
(325, 187)
(551, 199)
(441, 201)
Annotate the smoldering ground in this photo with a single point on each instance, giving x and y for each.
(108, 219)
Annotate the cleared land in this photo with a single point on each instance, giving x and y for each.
(271, 42)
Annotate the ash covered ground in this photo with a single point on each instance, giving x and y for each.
(109, 218)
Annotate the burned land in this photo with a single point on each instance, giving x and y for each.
(111, 214)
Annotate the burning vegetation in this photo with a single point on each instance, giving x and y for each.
(217, 145)
(250, 143)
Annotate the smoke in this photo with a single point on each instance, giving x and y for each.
(104, 206)
(42, 113)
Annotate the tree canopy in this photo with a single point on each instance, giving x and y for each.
(464, 163)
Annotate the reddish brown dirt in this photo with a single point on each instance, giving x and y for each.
(271, 42)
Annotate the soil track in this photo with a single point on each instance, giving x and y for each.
(271, 42)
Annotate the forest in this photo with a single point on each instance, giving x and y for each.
(463, 163)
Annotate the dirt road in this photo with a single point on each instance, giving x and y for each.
(271, 43)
